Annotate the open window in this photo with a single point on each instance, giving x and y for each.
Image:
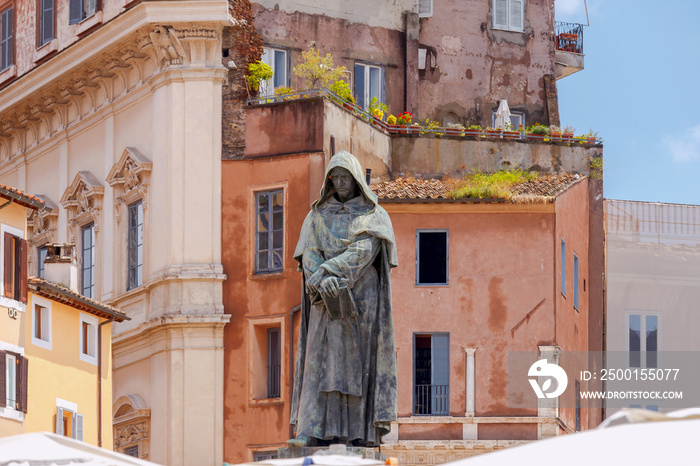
(431, 374)
(14, 260)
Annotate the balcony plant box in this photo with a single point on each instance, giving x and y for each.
(493, 133)
(511, 134)
(556, 136)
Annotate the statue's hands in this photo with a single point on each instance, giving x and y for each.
(330, 285)
(314, 281)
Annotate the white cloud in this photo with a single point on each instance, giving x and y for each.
(685, 147)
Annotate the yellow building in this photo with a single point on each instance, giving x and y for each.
(55, 344)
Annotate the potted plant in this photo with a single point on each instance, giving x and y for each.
(592, 137)
(377, 110)
(341, 89)
(403, 120)
(555, 133)
(391, 123)
(473, 131)
(537, 132)
(493, 132)
(257, 72)
(283, 93)
(455, 129)
(508, 132)
(567, 133)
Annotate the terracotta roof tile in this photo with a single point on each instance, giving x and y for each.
(21, 198)
(68, 296)
(539, 190)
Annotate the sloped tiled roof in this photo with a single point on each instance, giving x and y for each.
(542, 189)
(21, 198)
(67, 296)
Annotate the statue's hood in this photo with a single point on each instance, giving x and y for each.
(346, 160)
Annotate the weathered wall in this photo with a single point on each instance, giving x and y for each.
(500, 268)
(478, 65)
(572, 216)
(250, 298)
(346, 41)
(383, 14)
(306, 125)
(285, 128)
(435, 156)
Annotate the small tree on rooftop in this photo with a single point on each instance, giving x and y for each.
(317, 71)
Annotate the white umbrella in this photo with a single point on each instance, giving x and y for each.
(502, 114)
(646, 443)
(46, 449)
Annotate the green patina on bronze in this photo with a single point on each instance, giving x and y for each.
(345, 375)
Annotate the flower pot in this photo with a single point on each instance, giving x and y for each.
(402, 129)
(535, 137)
(591, 140)
(511, 134)
(348, 105)
(555, 136)
(567, 136)
(490, 133)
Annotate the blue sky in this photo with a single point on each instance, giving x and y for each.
(640, 89)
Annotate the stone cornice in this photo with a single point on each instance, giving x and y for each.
(154, 40)
(116, 31)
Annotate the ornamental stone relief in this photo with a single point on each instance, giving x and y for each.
(83, 202)
(42, 224)
(131, 421)
(130, 178)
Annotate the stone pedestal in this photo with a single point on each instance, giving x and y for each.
(300, 452)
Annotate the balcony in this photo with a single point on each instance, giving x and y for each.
(568, 41)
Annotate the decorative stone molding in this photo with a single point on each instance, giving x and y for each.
(83, 202)
(131, 424)
(130, 177)
(42, 224)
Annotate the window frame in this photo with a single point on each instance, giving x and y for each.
(257, 250)
(447, 256)
(137, 249)
(273, 373)
(20, 274)
(41, 266)
(7, 52)
(513, 113)
(562, 265)
(83, 268)
(89, 341)
(77, 10)
(42, 37)
(425, 12)
(20, 374)
(576, 279)
(643, 363)
(365, 100)
(508, 24)
(76, 420)
(47, 316)
(268, 87)
(257, 346)
(446, 412)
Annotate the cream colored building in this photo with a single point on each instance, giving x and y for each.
(113, 117)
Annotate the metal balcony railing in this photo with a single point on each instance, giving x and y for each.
(569, 37)
(431, 400)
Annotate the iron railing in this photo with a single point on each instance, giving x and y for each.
(569, 37)
(273, 381)
(431, 400)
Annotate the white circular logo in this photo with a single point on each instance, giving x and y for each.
(542, 368)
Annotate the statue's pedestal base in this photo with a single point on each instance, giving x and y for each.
(300, 452)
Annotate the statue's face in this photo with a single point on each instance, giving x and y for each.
(344, 184)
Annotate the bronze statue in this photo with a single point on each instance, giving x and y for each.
(345, 375)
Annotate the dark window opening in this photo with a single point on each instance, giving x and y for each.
(432, 258)
(274, 359)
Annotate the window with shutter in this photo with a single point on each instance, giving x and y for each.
(3, 378)
(60, 425)
(77, 426)
(15, 257)
(22, 384)
(508, 14)
(425, 8)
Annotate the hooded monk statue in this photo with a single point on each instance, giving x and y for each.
(345, 374)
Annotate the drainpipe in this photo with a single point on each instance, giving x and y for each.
(291, 364)
(99, 379)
